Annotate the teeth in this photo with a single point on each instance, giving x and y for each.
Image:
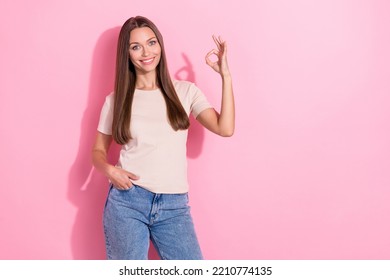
(146, 61)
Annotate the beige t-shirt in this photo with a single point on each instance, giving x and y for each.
(156, 153)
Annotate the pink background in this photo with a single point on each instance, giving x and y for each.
(306, 175)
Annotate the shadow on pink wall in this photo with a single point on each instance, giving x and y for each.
(88, 188)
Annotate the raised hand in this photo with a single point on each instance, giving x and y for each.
(220, 65)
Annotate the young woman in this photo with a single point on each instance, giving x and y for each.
(148, 114)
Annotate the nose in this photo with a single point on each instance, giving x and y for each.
(145, 51)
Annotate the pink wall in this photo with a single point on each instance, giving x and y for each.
(306, 176)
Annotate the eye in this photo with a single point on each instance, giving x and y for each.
(152, 42)
(135, 47)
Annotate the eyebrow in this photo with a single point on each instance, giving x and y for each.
(146, 41)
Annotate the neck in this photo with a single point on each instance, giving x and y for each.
(146, 81)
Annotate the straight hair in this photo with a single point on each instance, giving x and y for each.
(125, 80)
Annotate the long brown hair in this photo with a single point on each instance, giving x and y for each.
(125, 78)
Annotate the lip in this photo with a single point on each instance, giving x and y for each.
(147, 61)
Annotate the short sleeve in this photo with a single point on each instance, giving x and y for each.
(199, 101)
(106, 116)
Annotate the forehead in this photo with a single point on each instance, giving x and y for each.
(141, 34)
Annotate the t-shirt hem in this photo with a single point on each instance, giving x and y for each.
(160, 191)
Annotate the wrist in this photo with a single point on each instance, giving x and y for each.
(108, 170)
(226, 77)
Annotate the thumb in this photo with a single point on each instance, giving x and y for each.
(132, 176)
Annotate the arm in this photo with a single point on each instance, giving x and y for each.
(220, 123)
(120, 178)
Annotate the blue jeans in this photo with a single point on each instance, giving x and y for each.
(135, 216)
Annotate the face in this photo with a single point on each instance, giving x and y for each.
(145, 50)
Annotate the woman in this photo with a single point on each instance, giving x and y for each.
(148, 115)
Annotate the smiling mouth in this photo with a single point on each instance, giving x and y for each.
(147, 61)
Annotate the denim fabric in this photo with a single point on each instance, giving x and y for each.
(135, 216)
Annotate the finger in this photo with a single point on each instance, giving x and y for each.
(217, 42)
(208, 60)
(119, 186)
(220, 41)
(224, 50)
(129, 185)
(213, 51)
(210, 53)
(132, 176)
(124, 185)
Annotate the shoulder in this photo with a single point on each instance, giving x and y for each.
(184, 87)
(110, 97)
(109, 100)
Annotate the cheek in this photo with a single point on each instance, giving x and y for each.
(132, 56)
(159, 56)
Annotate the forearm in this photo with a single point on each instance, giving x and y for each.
(220, 123)
(226, 118)
(99, 160)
